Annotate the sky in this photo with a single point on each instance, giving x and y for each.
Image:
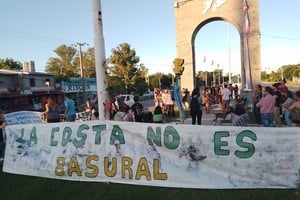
(31, 30)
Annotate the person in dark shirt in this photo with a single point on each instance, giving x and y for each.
(2, 141)
(279, 101)
(138, 110)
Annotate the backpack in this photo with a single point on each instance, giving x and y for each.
(194, 104)
(295, 115)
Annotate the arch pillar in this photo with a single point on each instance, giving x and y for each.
(192, 15)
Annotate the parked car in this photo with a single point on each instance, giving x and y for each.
(148, 94)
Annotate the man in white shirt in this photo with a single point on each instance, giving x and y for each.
(225, 97)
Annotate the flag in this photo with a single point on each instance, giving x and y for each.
(247, 82)
(246, 18)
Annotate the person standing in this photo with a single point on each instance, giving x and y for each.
(169, 104)
(196, 107)
(257, 95)
(236, 91)
(2, 141)
(207, 100)
(286, 112)
(226, 93)
(70, 113)
(88, 106)
(295, 110)
(267, 105)
(52, 111)
(138, 110)
(277, 110)
(185, 99)
(157, 97)
(283, 89)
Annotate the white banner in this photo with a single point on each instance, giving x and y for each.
(23, 117)
(167, 155)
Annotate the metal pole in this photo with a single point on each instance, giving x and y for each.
(79, 45)
(214, 81)
(81, 71)
(181, 120)
(205, 78)
(219, 78)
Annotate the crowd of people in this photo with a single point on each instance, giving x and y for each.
(116, 109)
(271, 106)
(275, 104)
(222, 96)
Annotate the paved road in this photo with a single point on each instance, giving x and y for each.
(207, 119)
(149, 103)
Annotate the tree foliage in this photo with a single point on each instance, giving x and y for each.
(67, 64)
(63, 65)
(287, 72)
(123, 64)
(10, 64)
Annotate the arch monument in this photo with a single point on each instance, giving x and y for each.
(192, 15)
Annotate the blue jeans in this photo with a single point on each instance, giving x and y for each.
(287, 115)
(267, 119)
(71, 118)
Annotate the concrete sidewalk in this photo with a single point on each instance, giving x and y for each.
(208, 119)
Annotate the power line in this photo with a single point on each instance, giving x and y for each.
(29, 36)
(281, 37)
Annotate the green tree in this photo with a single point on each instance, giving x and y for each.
(63, 65)
(201, 78)
(288, 71)
(160, 80)
(123, 63)
(10, 64)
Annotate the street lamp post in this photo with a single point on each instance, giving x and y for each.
(219, 75)
(79, 45)
(205, 78)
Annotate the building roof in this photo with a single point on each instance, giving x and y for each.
(12, 72)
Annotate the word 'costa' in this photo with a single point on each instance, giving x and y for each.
(169, 137)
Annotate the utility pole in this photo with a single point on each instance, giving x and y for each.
(79, 45)
(101, 65)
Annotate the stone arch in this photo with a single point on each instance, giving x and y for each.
(192, 15)
(196, 31)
